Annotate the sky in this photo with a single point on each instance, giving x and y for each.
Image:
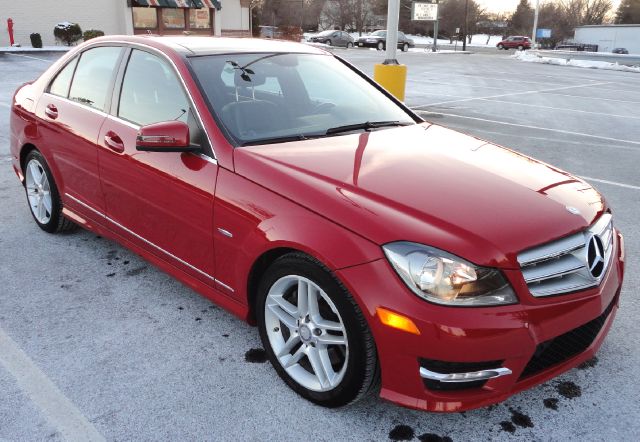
(510, 5)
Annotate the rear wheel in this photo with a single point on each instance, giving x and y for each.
(500, 46)
(329, 42)
(380, 46)
(314, 334)
(405, 47)
(42, 195)
(521, 48)
(349, 45)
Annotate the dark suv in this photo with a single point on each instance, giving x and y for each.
(515, 42)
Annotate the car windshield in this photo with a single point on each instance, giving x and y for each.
(277, 97)
(379, 33)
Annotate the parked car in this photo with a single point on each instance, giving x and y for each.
(368, 245)
(515, 42)
(378, 40)
(333, 38)
(270, 32)
(624, 51)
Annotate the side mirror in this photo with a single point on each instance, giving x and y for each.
(166, 136)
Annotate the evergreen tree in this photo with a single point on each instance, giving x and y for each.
(522, 20)
(628, 12)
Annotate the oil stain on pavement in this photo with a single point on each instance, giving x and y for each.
(256, 356)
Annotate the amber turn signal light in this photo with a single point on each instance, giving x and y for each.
(396, 320)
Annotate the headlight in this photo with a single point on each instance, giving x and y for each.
(440, 277)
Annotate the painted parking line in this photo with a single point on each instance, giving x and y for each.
(525, 126)
(561, 109)
(512, 94)
(54, 405)
(613, 183)
(31, 57)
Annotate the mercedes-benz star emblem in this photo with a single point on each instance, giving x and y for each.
(595, 256)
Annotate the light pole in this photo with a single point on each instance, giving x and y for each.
(466, 25)
(535, 23)
(390, 74)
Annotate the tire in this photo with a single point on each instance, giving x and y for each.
(521, 48)
(352, 372)
(405, 47)
(500, 47)
(349, 45)
(42, 195)
(380, 46)
(328, 42)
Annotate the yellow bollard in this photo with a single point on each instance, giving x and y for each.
(392, 77)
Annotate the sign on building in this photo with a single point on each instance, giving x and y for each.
(424, 11)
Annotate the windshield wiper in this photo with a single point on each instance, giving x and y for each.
(283, 139)
(367, 125)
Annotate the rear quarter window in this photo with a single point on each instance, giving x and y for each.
(60, 84)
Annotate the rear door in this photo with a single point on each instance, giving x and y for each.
(71, 112)
(162, 201)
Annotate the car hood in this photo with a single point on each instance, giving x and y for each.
(431, 185)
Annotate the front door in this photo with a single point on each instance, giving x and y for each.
(162, 201)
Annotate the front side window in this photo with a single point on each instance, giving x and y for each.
(264, 98)
(60, 86)
(93, 76)
(151, 92)
(172, 18)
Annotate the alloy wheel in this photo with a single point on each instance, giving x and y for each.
(38, 191)
(306, 333)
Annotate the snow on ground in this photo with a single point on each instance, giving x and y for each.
(30, 49)
(592, 64)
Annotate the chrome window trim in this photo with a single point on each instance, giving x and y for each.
(158, 52)
(102, 215)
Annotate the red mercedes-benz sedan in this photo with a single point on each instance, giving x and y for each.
(375, 251)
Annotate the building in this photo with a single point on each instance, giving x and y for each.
(609, 37)
(165, 17)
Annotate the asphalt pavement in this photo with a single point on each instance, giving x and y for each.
(95, 343)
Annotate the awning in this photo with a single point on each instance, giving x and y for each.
(196, 4)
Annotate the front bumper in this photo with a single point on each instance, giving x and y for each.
(483, 339)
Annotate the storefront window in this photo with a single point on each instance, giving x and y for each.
(199, 18)
(173, 18)
(145, 18)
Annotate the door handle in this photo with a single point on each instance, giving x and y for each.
(51, 111)
(113, 142)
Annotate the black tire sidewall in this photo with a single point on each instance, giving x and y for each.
(56, 207)
(352, 383)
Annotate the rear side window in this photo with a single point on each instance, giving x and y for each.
(60, 85)
(93, 76)
(151, 91)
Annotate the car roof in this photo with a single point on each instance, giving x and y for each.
(189, 45)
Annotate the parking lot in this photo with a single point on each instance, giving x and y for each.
(106, 346)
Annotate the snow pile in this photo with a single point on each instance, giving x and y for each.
(591, 64)
(64, 25)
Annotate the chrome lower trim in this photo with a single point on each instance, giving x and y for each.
(470, 376)
(102, 215)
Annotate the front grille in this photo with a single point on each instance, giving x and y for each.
(562, 266)
(455, 367)
(566, 346)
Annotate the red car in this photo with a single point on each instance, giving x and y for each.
(516, 42)
(370, 247)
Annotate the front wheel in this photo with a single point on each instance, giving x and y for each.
(328, 42)
(42, 195)
(349, 45)
(380, 46)
(521, 48)
(500, 47)
(314, 333)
